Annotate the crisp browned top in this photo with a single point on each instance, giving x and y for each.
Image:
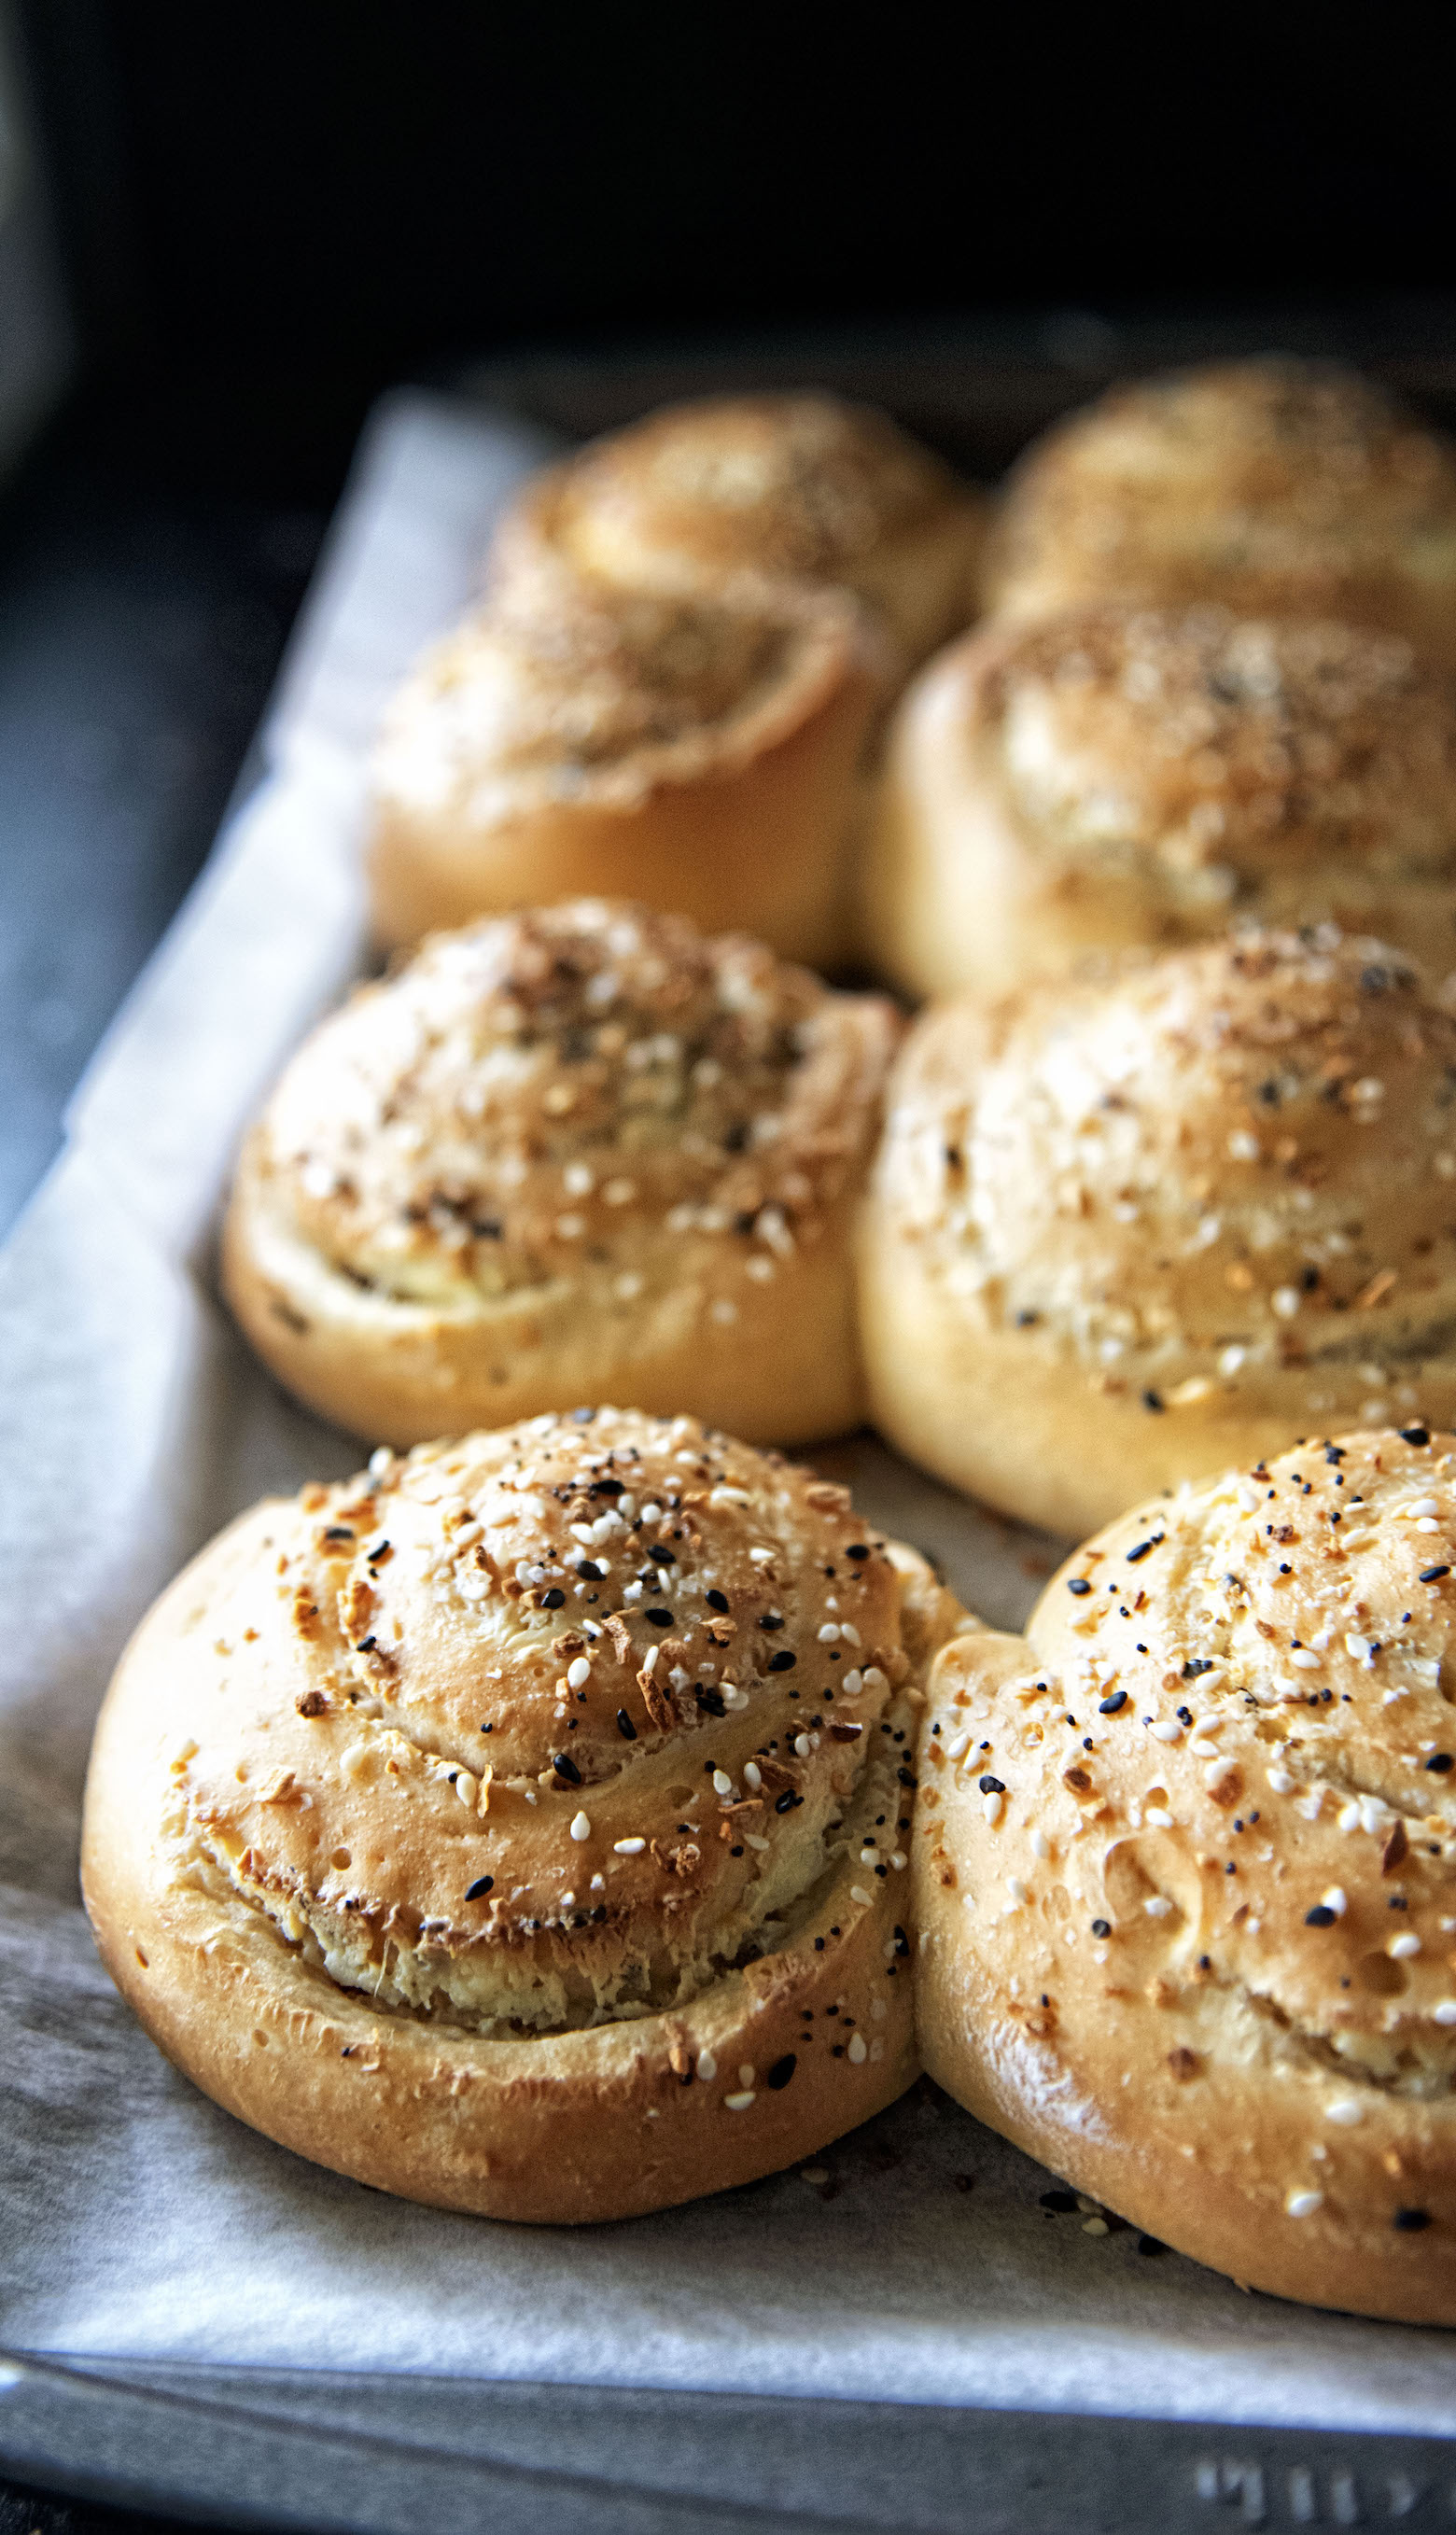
(577, 1085)
(538, 1728)
(1253, 1680)
(558, 690)
(799, 485)
(1292, 474)
(1248, 1145)
(1218, 749)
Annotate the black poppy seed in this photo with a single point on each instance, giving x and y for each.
(481, 1886)
(715, 1601)
(658, 1618)
(1153, 1400)
(781, 2071)
(625, 1727)
(818, 1945)
(553, 1598)
(1143, 1547)
(857, 1550)
(1102, 1927)
(1150, 2245)
(566, 1768)
(1078, 1584)
(772, 1620)
(1440, 1762)
(1112, 1706)
(1411, 2222)
(1322, 1916)
(589, 1572)
(1432, 1575)
(1416, 1435)
(784, 1660)
(990, 1786)
(785, 1803)
(1060, 2203)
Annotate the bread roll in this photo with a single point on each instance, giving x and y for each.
(1183, 1875)
(795, 487)
(1275, 486)
(1127, 1232)
(561, 1156)
(520, 1827)
(702, 754)
(1120, 776)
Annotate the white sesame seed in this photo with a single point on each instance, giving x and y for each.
(1444, 2010)
(738, 2103)
(755, 1841)
(858, 2049)
(629, 1847)
(1303, 1660)
(1422, 1505)
(724, 1496)
(1229, 1360)
(829, 1634)
(1303, 2205)
(875, 1679)
(581, 1828)
(1333, 1899)
(958, 1746)
(803, 1746)
(1347, 2112)
(722, 1783)
(1094, 2226)
(1217, 1771)
(1281, 1783)
(858, 1894)
(1168, 1731)
(708, 2067)
(466, 1788)
(579, 1673)
(991, 1806)
(1157, 1907)
(1403, 1947)
(1284, 1301)
(578, 1179)
(1243, 1146)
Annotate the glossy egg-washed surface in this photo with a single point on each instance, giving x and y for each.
(1195, 1169)
(1185, 1863)
(573, 1097)
(1217, 762)
(1273, 483)
(546, 1728)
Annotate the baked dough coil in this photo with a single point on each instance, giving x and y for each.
(572, 1154)
(1118, 776)
(702, 752)
(1276, 487)
(796, 488)
(522, 1826)
(1126, 1232)
(1184, 1872)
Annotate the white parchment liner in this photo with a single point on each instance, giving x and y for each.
(137, 2220)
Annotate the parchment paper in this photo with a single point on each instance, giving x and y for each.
(135, 2221)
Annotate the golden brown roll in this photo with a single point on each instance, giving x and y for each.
(1275, 486)
(1120, 776)
(1183, 1870)
(567, 1156)
(521, 1826)
(1126, 1232)
(794, 488)
(701, 752)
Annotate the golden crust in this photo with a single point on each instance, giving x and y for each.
(517, 1827)
(797, 488)
(565, 1156)
(1277, 487)
(1121, 775)
(1183, 1875)
(1123, 1232)
(701, 752)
